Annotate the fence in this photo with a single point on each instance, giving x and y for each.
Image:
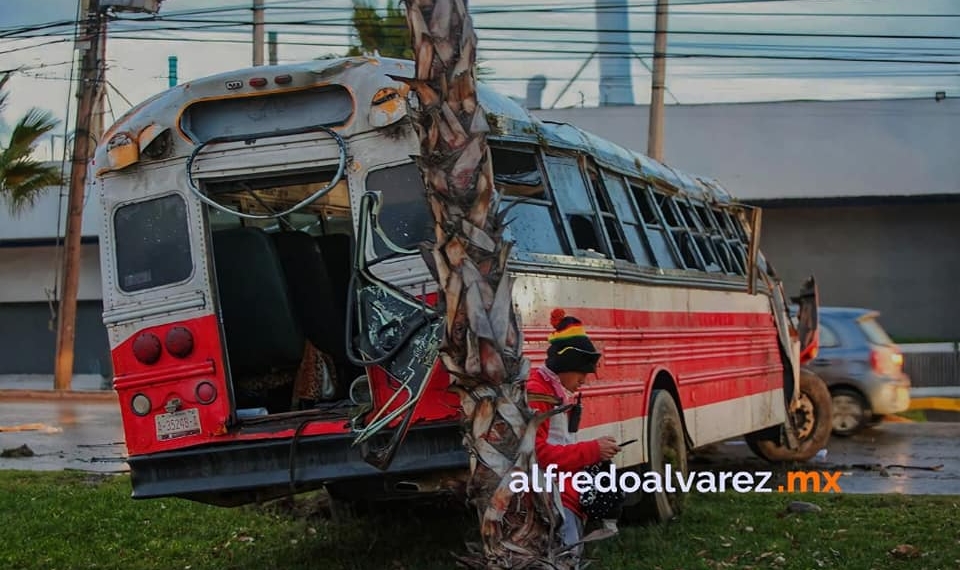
(932, 365)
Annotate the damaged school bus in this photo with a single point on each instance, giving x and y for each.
(274, 327)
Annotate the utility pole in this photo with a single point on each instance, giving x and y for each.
(655, 132)
(88, 92)
(257, 32)
(98, 124)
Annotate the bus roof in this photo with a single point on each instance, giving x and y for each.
(508, 120)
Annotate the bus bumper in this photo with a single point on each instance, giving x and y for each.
(249, 471)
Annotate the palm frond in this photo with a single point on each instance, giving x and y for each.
(24, 181)
(26, 133)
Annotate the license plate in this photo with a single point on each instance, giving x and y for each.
(178, 424)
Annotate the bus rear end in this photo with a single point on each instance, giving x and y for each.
(230, 214)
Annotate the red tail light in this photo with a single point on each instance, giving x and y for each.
(886, 362)
(206, 393)
(179, 342)
(147, 348)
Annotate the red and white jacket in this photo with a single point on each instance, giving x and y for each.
(554, 443)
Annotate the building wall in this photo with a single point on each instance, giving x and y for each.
(29, 276)
(47, 219)
(897, 259)
(28, 339)
(32, 273)
(798, 149)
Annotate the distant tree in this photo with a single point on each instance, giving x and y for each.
(387, 34)
(23, 179)
(384, 34)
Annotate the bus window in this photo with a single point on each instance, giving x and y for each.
(566, 180)
(516, 173)
(724, 249)
(657, 235)
(530, 220)
(152, 243)
(701, 237)
(681, 233)
(609, 217)
(633, 229)
(404, 217)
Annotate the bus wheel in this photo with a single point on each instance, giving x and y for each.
(666, 445)
(813, 420)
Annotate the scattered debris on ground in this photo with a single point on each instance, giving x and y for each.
(43, 428)
(803, 507)
(22, 451)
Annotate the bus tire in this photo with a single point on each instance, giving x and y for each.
(665, 444)
(814, 421)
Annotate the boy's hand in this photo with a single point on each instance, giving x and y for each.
(608, 447)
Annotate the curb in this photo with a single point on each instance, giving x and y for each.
(933, 403)
(48, 395)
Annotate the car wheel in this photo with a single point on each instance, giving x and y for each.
(850, 413)
(667, 445)
(812, 420)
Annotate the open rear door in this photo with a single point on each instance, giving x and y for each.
(396, 333)
(808, 320)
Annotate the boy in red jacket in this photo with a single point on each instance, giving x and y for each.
(570, 357)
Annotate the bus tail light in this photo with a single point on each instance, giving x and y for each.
(206, 392)
(141, 405)
(283, 79)
(258, 82)
(147, 348)
(179, 342)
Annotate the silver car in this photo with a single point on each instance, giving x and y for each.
(862, 367)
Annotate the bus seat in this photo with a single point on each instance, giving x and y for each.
(319, 313)
(261, 331)
(337, 251)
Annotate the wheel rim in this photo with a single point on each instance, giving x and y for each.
(847, 413)
(804, 416)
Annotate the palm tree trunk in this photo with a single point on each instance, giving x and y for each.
(482, 345)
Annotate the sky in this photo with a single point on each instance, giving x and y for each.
(517, 40)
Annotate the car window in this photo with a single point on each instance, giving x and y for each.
(874, 331)
(828, 338)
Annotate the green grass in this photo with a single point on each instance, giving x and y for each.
(78, 521)
(914, 415)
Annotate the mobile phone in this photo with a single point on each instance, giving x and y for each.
(628, 442)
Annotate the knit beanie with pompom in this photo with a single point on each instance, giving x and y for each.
(570, 348)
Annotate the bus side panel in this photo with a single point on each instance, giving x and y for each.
(718, 347)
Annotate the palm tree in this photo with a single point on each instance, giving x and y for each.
(23, 179)
(482, 344)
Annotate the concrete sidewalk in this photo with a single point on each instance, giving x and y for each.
(91, 387)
